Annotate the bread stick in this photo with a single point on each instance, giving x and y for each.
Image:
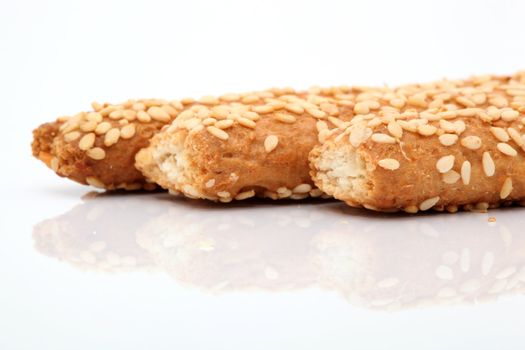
(442, 145)
(98, 147)
(257, 145)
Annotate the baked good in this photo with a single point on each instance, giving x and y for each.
(256, 145)
(443, 145)
(98, 147)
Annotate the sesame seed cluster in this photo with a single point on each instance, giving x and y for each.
(455, 113)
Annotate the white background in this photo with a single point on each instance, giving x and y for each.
(56, 57)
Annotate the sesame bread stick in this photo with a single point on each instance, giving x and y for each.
(442, 145)
(257, 145)
(98, 147)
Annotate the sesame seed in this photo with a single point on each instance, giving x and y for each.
(251, 115)
(270, 142)
(445, 164)
(209, 100)
(468, 112)
(460, 126)
(429, 116)
(302, 188)
(87, 141)
(418, 100)
(411, 209)
(224, 194)
(506, 189)
(245, 195)
(448, 114)
(111, 137)
(361, 108)
(96, 153)
(499, 102)
(294, 108)
(94, 116)
(321, 125)
(123, 122)
(471, 142)
(102, 128)
(329, 108)
(71, 136)
(358, 135)
(96, 106)
(451, 177)
(209, 183)
(316, 113)
(465, 101)
(88, 126)
(130, 115)
(448, 139)
(397, 103)
(395, 129)
(143, 117)
(489, 168)
(383, 138)
(499, 133)
(428, 203)
(263, 109)
(158, 114)
(285, 118)
(223, 124)
(447, 126)
(251, 99)
(93, 181)
(516, 137)
(106, 111)
(139, 106)
(246, 122)
(209, 121)
(426, 130)
(389, 164)
(509, 115)
(506, 149)
(128, 131)
(516, 92)
(479, 99)
(466, 170)
(116, 114)
(230, 97)
(171, 111)
(221, 134)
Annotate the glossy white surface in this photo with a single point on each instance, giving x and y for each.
(150, 272)
(137, 270)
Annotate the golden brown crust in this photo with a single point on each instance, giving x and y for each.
(245, 149)
(459, 153)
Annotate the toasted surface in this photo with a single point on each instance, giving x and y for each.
(455, 144)
(243, 150)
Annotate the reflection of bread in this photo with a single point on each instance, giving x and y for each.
(439, 145)
(419, 264)
(227, 251)
(245, 149)
(412, 264)
(96, 235)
